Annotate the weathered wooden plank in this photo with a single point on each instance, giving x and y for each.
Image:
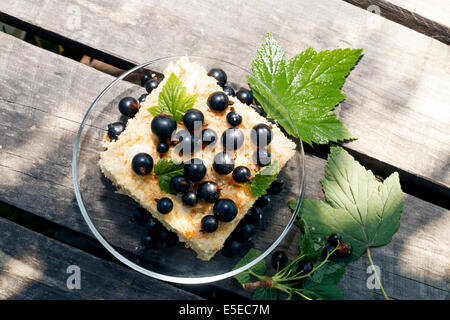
(397, 96)
(428, 18)
(435, 10)
(39, 119)
(33, 266)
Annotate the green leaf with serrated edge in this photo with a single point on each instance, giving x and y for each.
(305, 241)
(331, 272)
(173, 99)
(155, 110)
(265, 294)
(322, 291)
(323, 283)
(165, 170)
(364, 211)
(259, 268)
(308, 85)
(263, 179)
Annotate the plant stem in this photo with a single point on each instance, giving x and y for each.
(298, 277)
(250, 271)
(376, 275)
(302, 295)
(258, 284)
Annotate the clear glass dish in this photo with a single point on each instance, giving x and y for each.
(108, 213)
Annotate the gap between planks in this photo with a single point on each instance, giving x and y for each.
(407, 18)
(38, 270)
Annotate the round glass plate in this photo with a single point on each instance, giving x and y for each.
(108, 212)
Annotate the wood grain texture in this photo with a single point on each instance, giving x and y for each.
(430, 18)
(397, 97)
(39, 118)
(435, 10)
(35, 267)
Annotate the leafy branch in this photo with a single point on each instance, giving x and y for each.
(365, 212)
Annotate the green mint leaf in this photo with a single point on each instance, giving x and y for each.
(265, 294)
(259, 268)
(364, 211)
(173, 99)
(155, 110)
(263, 179)
(308, 85)
(165, 170)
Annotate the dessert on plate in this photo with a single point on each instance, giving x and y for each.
(213, 142)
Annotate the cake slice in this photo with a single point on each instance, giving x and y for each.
(186, 222)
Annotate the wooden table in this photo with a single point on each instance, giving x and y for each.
(397, 104)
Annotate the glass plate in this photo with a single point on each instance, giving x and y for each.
(108, 213)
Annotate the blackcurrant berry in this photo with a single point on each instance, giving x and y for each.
(167, 238)
(128, 106)
(163, 126)
(188, 143)
(279, 260)
(261, 135)
(151, 84)
(345, 249)
(145, 78)
(223, 163)
(194, 169)
(262, 157)
(245, 96)
(189, 198)
(142, 97)
(302, 267)
(328, 250)
(225, 210)
(229, 91)
(232, 139)
(243, 232)
(179, 184)
(234, 118)
(231, 247)
(306, 266)
(115, 129)
(151, 226)
(259, 110)
(162, 147)
(164, 205)
(276, 187)
(334, 239)
(193, 119)
(149, 241)
(142, 164)
(141, 216)
(263, 201)
(218, 101)
(241, 174)
(208, 191)
(219, 75)
(255, 214)
(209, 137)
(209, 223)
